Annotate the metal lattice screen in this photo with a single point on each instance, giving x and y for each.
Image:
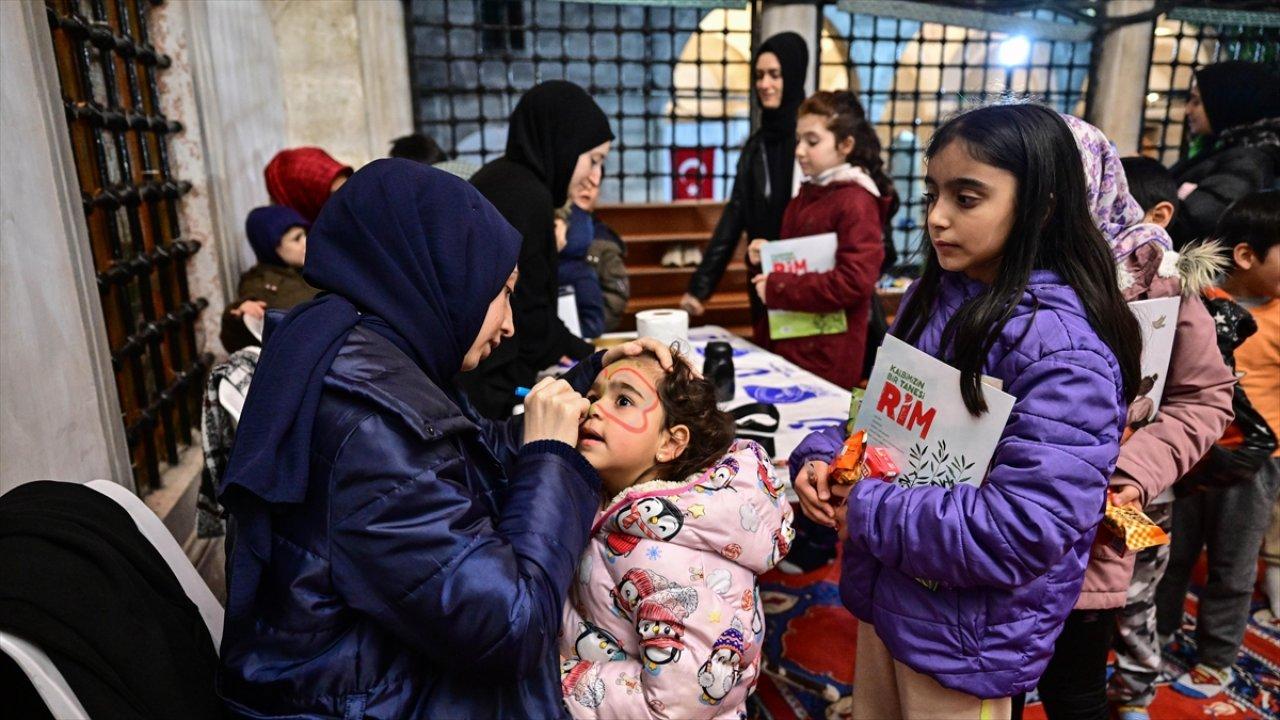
(107, 69)
(912, 71)
(1181, 46)
(675, 81)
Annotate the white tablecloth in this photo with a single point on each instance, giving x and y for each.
(805, 401)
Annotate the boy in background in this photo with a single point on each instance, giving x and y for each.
(1231, 517)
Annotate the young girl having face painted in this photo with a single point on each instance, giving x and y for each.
(664, 618)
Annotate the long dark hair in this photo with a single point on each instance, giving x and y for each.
(846, 119)
(1052, 230)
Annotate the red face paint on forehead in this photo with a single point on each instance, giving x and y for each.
(651, 404)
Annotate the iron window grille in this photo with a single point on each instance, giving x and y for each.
(107, 68)
(1187, 38)
(913, 65)
(674, 79)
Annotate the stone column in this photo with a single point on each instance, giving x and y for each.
(384, 65)
(59, 407)
(796, 17)
(1120, 77)
(344, 75)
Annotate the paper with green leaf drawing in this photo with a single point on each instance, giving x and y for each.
(812, 253)
(913, 408)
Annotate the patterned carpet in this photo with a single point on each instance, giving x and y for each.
(809, 649)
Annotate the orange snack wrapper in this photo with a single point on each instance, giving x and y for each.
(1131, 530)
(857, 460)
(850, 464)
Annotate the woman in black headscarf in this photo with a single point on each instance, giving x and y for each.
(558, 137)
(1233, 115)
(765, 178)
(393, 555)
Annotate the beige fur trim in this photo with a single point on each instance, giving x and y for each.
(1124, 278)
(648, 486)
(1200, 265)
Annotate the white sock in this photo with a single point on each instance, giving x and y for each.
(1271, 586)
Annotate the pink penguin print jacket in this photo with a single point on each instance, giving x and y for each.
(664, 617)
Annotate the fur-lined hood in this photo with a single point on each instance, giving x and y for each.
(1152, 271)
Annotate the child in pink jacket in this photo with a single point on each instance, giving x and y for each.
(664, 619)
(1196, 406)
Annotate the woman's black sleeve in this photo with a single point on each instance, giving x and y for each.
(724, 241)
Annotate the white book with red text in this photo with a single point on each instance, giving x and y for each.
(913, 409)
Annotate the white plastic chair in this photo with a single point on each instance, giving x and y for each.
(154, 530)
(49, 683)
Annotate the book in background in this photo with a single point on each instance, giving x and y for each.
(913, 408)
(1159, 321)
(567, 309)
(808, 254)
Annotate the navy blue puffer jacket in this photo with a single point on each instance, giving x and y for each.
(425, 573)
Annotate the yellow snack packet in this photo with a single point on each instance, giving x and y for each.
(1131, 530)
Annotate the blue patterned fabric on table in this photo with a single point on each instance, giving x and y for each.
(804, 400)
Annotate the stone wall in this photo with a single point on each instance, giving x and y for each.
(59, 413)
(343, 74)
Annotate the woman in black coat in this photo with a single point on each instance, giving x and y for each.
(558, 137)
(764, 181)
(1234, 114)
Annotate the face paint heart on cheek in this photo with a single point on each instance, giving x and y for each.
(645, 410)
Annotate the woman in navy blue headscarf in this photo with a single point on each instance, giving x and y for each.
(393, 556)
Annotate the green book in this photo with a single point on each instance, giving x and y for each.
(812, 253)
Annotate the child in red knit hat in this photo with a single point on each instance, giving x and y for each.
(303, 178)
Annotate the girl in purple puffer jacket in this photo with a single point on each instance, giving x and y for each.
(1018, 285)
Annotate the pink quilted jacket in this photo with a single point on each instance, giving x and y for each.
(664, 617)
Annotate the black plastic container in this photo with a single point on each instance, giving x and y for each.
(718, 368)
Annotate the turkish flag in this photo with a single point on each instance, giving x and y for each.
(694, 171)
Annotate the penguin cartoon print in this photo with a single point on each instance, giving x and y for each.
(636, 585)
(595, 644)
(580, 682)
(661, 635)
(782, 539)
(757, 450)
(654, 518)
(723, 669)
(584, 569)
(721, 476)
(769, 480)
(660, 625)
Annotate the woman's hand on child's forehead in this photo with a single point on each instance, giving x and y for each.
(639, 347)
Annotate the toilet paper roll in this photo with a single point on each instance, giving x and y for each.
(669, 326)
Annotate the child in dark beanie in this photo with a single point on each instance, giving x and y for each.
(278, 236)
